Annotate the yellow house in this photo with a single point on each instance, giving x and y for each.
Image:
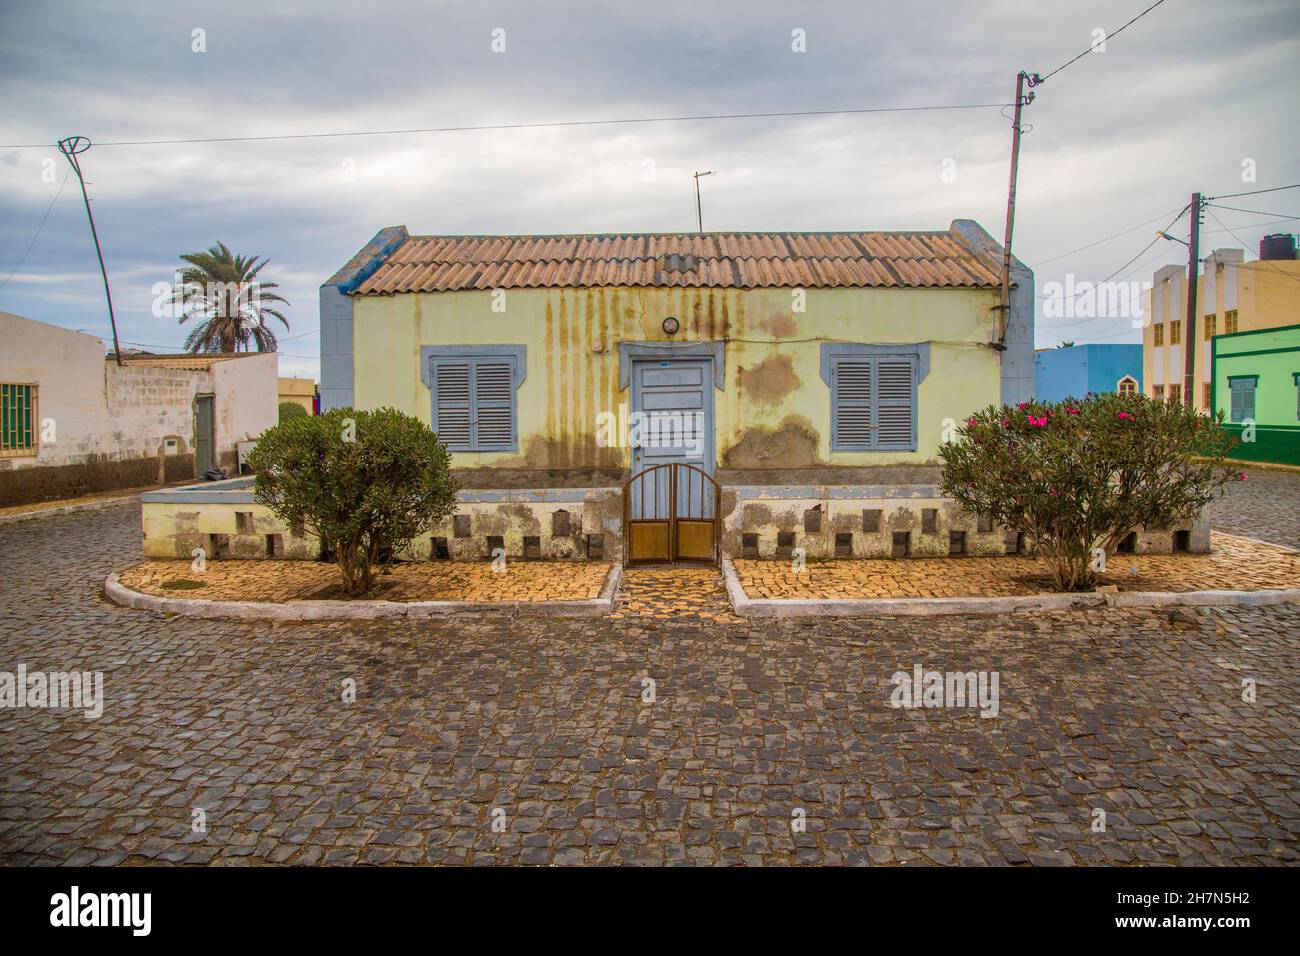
(779, 390)
(1232, 295)
(299, 391)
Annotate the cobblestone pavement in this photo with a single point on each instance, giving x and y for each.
(674, 594)
(247, 580)
(1232, 564)
(549, 727)
(1266, 505)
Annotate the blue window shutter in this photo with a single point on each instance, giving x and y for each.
(895, 404)
(494, 404)
(474, 407)
(873, 403)
(851, 387)
(451, 404)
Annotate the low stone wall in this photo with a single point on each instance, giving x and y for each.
(758, 521)
(553, 524)
(95, 474)
(882, 521)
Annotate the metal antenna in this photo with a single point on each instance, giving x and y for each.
(71, 147)
(699, 213)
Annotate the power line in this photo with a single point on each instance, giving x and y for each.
(1254, 192)
(518, 126)
(1114, 318)
(1044, 262)
(1255, 225)
(1108, 318)
(1109, 36)
(1257, 212)
(32, 244)
(1141, 253)
(1285, 275)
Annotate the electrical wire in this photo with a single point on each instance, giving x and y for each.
(32, 244)
(1109, 36)
(1141, 253)
(1257, 212)
(516, 126)
(1285, 275)
(1043, 262)
(1253, 192)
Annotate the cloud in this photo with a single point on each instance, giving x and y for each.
(1176, 103)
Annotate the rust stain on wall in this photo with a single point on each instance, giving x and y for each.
(781, 326)
(570, 452)
(770, 380)
(791, 444)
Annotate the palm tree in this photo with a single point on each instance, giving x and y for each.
(223, 290)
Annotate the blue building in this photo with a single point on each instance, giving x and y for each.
(1079, 369)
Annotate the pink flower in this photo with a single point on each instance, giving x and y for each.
(1241, 476)
(1038, 422)
(1052, 492)
(1125, 415)
(970, 423)
(1022, 406)
(1072, 410)
(1006, 423)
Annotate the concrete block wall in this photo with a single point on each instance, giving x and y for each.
(769, 522)
(764, 519)
(560, 524)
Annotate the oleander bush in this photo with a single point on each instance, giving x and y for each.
(365, 482)
(1077, 475)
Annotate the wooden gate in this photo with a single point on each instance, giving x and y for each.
(670, 512)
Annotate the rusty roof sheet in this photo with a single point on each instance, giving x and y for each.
(742, 260)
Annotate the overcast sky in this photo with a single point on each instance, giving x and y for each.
(1177, 102)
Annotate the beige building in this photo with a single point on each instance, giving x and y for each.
(299, 391)
(73, 422)
(1232, 296)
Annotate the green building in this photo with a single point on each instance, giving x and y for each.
(1257, 380)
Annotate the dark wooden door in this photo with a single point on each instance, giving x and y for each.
(205, 438)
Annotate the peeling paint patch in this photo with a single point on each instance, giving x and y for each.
(792, 444)
(770, 380)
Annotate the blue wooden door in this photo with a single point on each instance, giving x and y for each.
(672, 423)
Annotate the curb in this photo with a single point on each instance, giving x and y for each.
(745, 606)
(68, 509)
(599, 606)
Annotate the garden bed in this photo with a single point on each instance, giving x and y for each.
(987, 585)
(308, 590)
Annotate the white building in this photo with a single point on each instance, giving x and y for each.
(73, 422)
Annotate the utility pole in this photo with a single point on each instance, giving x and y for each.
(1189, 331)
(1004, 306)
(70, 147)
(699, 213)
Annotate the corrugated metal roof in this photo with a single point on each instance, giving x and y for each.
(745, 260)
